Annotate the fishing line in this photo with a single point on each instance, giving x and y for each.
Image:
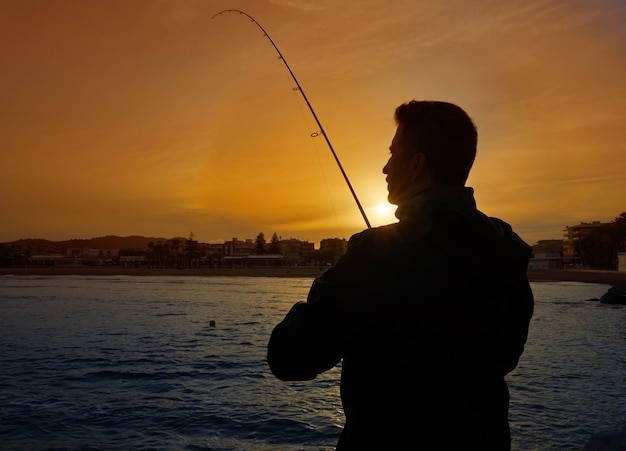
(307, 126)
(299, 88)
(313, 144)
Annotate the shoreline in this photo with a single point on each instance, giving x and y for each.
(534, 275)
(286, 271)
(613, 278)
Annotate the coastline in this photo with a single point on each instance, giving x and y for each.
(534, 275)
(613, 278)
(284, 271)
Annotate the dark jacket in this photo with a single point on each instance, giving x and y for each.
(428, 315)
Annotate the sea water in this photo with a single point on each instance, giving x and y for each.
(135, 363)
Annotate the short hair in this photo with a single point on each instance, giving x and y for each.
(444, 133)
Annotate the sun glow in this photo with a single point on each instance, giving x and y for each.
(383, 209)
(383, 213)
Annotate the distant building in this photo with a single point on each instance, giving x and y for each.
(291, 249)
(548, 246)
(90, 257)
(46, 259)
(547, 254)
(548, 260)
(331, 249)
(238, 248)
(297, 252)
(216, 250)
(88, 252)
(133, 261)
(574, 234)
(253, 260)
(308, 252)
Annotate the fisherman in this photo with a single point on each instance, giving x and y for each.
(428, 314)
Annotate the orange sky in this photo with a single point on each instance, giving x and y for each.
(147, 117)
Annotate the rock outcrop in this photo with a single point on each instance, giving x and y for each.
(615, 295)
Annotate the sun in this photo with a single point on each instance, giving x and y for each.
(383, 213)
(383, 209)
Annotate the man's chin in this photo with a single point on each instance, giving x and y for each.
(392, 200)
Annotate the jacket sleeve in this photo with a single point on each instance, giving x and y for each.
(512, 302)
(309, 340)
(303, 344)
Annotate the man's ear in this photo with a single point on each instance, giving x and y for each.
(418, 166)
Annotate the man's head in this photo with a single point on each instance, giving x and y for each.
(434, 145)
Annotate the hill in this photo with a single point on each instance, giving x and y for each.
(104, 242)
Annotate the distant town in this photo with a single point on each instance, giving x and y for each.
(593, 245)
(138, 251)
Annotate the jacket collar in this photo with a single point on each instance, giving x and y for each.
(455, 198)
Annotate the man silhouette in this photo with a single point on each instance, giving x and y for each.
(427, 314)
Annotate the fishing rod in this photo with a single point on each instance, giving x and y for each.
(299, 88)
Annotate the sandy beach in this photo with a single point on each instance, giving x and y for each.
(588, 276)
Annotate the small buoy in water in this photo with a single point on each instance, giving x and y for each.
(212, 323)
